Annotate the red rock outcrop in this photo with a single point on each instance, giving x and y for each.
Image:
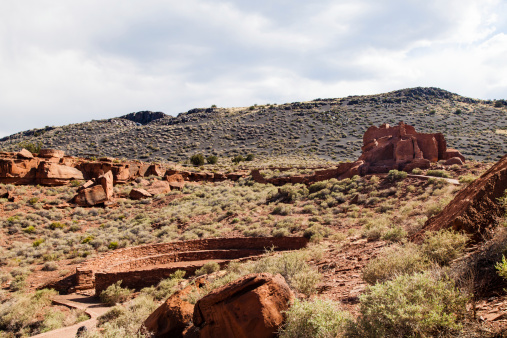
(475, 208)
(49, 173)
(402, 148)
(251, 306)
(95, 191)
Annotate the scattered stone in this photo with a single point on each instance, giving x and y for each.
(454, 160)
(251, 306)
(137, 194)
(159, 187)
(25, 154)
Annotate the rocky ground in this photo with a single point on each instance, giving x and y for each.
(328, 129)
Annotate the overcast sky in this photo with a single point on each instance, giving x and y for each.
(72, 61)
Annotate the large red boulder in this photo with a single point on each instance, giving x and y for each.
(172, 317)
(96, 191)
(159, 187)
(252, 306)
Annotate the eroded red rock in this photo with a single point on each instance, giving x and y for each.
(159, 187)
(251, 306)
(475, 208)
(48, 153)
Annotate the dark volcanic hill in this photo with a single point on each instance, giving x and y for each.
(327, 128)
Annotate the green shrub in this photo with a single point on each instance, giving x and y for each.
(207, 268)
(416, 305)
(238, 158)
(56, 225)
(197, 159)
(438, 173)
(212, 159)
(113, 246)
(38, 242)
(250, 157)
(115, 294)
(417, 171)
(75, 183)
(443, 246)
(394, 234)
(29, 229)
(314, 318)
(501, 267)
(467, 179)
(394, 261)
(33, 200)
(31, 146)
(395, 175)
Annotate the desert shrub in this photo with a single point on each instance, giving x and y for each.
(417, 171)
(115, 294)
(249, 157)
(309, 209)
(32, 147)
(396, 175)
(395, 233)
(33, 200)
(317, 186)
(394, 261)
(212, 159)
(38, 242)
(316, 232)
(29, 229)
(56, 225)
(292, 266)
(290, 193)
(282, 209)
(282, 232)
(124, 320)
(197, 159)
(50, 266)
(443, 246)
(501, 267)
(438, 173)
(207, 268)
(20, 312)
(113, 246)
(418, 305)
(467, 179)
(238, 158)
(314, 318)
(166, 287)
(75, 183)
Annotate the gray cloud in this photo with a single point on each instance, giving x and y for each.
(67, 62)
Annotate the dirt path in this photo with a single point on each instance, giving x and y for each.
(91, 305)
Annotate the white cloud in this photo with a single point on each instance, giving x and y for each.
(64, 62)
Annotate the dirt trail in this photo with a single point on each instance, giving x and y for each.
(91, 305)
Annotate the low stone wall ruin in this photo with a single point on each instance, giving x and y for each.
(147, 265)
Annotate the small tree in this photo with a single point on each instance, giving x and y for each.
(250, 157)
(197, 159)
(212, 159)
